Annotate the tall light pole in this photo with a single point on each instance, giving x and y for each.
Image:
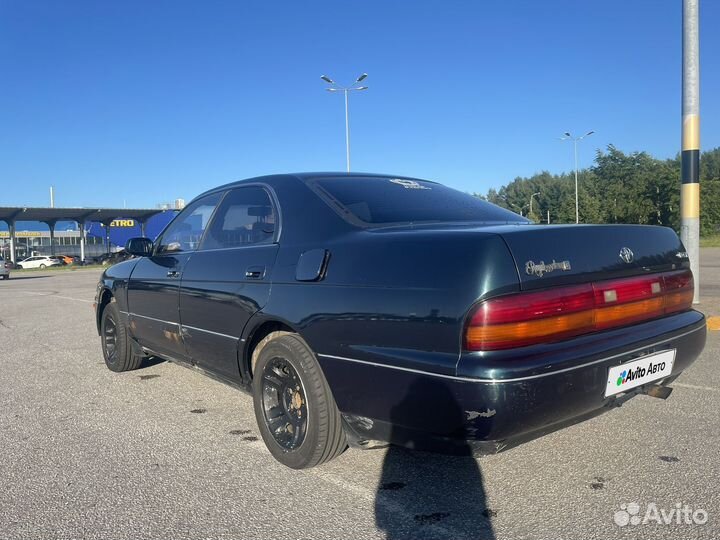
(567, 137)
(531, 199)
(334, 87)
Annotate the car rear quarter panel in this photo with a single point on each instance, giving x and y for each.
(392, 298)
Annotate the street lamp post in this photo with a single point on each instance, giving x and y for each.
(531, 200)
(334, 87)
(567, 137)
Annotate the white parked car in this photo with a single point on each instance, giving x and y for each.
(40, 261)
(4, 272)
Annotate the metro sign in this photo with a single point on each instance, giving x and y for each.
(122, 223)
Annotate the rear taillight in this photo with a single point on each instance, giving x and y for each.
(538, 317)
(679, 291)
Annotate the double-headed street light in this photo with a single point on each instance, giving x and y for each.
(516, 206)
(334, 87)
(568, 137)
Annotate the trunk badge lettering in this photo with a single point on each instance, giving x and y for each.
(626, 255)
(539, 269)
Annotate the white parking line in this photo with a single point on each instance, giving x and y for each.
(73, 299)
(696, 387)
(51, 295)
(370, 496)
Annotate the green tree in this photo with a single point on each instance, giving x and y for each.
(617, 188)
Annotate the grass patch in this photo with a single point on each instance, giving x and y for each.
(710, 241)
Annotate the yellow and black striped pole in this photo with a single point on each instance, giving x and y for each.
(690, 157)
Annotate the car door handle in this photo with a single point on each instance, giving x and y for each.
(255, 272)
(173, 274)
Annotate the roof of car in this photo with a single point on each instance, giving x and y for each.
(305, 177)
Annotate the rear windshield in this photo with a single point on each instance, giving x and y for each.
(374, 200)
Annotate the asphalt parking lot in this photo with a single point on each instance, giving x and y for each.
(164, 452)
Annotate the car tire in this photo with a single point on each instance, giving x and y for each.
(6, 276)
(116, 346)
(19, 267)
(42, 267)
(294, 407)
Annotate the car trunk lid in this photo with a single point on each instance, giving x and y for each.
(547, 256)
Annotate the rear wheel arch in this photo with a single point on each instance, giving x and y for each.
(258, 338)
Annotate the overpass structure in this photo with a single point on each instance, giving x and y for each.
(51, 216)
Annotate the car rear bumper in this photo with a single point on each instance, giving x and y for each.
(497, 401)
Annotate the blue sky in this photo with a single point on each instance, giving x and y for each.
(145, 101)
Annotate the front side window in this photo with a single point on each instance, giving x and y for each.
(245, 217)
(186, 230)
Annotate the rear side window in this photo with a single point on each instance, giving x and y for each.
(373, 200)
(245, 217)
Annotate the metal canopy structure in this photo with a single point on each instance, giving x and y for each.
(80, 215)
(50, 216)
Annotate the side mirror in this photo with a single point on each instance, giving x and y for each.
(139, 247)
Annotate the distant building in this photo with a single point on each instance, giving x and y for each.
(178, 204)
(33, 238)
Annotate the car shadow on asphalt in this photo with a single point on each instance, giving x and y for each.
(150, 361)
(430, 495)
(16, 277)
